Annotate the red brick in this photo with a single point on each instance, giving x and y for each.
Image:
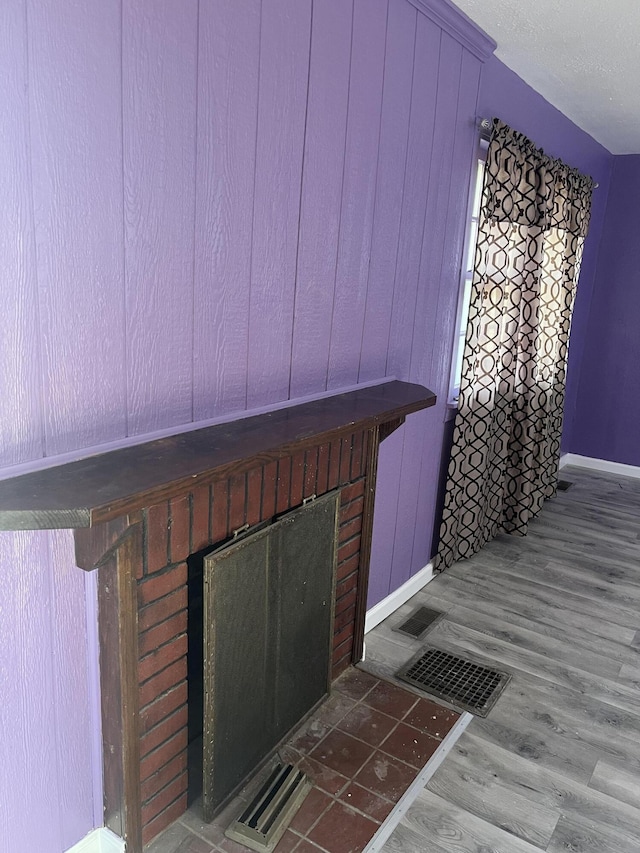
(164, 798)
(345, 618)
(348, 566)
(237, 501)
(339, 666)
(348, 549)
(334, 465)
(346, 585)
(160, 610)
(322, 481)
(163, 706)
(351, 528)
(200, 512)
(352, 509)
(168, 816)
(297, 478)
(341, 635)
(346, 601)
(283, 499)
(162, 633)
(166, 729)
(179, 529)
(151, 763)
(157, 537)
(269, 481)
(345, 459)
(342, 650)
(352, 492)
(165, 775)
(160, 658)
(220, 511)
(310, 472)
(254, 496)
(157, 586)
(163, 681)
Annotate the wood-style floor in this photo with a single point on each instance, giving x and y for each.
(556, 765)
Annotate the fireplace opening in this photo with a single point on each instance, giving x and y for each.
(195, 663)
(260, 637)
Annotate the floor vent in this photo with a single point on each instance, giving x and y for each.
(564, 485)
(265, 819)
(419, 622)
(456, 680)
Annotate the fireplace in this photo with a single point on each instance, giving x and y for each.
(141, 514)
(173, 530)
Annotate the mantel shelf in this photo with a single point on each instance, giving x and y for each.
(109, 485)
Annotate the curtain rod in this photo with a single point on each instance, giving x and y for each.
(484, 126)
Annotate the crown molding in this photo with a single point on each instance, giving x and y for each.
(454, 22)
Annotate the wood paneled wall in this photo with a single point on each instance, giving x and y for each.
(207, 207)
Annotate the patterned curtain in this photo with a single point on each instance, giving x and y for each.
(506, 443)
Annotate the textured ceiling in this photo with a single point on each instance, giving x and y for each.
(583, 56)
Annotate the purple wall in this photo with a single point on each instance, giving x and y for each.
(208, 207)
(504, 94)
(608, 399)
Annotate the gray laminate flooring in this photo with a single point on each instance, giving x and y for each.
(556, 765)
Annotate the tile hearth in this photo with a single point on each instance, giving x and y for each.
(362, 749)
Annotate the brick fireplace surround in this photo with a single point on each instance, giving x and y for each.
(139, 512)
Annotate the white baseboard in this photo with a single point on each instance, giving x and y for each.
(390, 604)
(99, 841)
(599, 465)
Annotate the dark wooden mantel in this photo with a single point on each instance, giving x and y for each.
(109, 485)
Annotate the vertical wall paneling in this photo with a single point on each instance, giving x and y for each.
(416, 188)
(284, 74)
(73, 719)
(29, 789)
(321, 193)
(392, 156)
(20, 388)
(429, 286)
(435, 245)
(358, 191)
(159, 51)
(227, 109)
(76, 133)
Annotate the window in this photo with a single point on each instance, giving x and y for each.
(467, 272)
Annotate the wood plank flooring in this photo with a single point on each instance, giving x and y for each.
(556, 765)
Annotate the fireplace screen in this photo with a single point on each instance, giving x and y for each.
(268, 618)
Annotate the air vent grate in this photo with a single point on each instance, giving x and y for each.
(265, 819)
(419, 622)
(564, 485)
(456, 680)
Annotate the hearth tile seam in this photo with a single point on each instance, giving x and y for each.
(411, 794)
(378, 748)
(374, 748)
(337, 796)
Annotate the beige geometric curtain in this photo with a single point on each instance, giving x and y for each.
(506, 445)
